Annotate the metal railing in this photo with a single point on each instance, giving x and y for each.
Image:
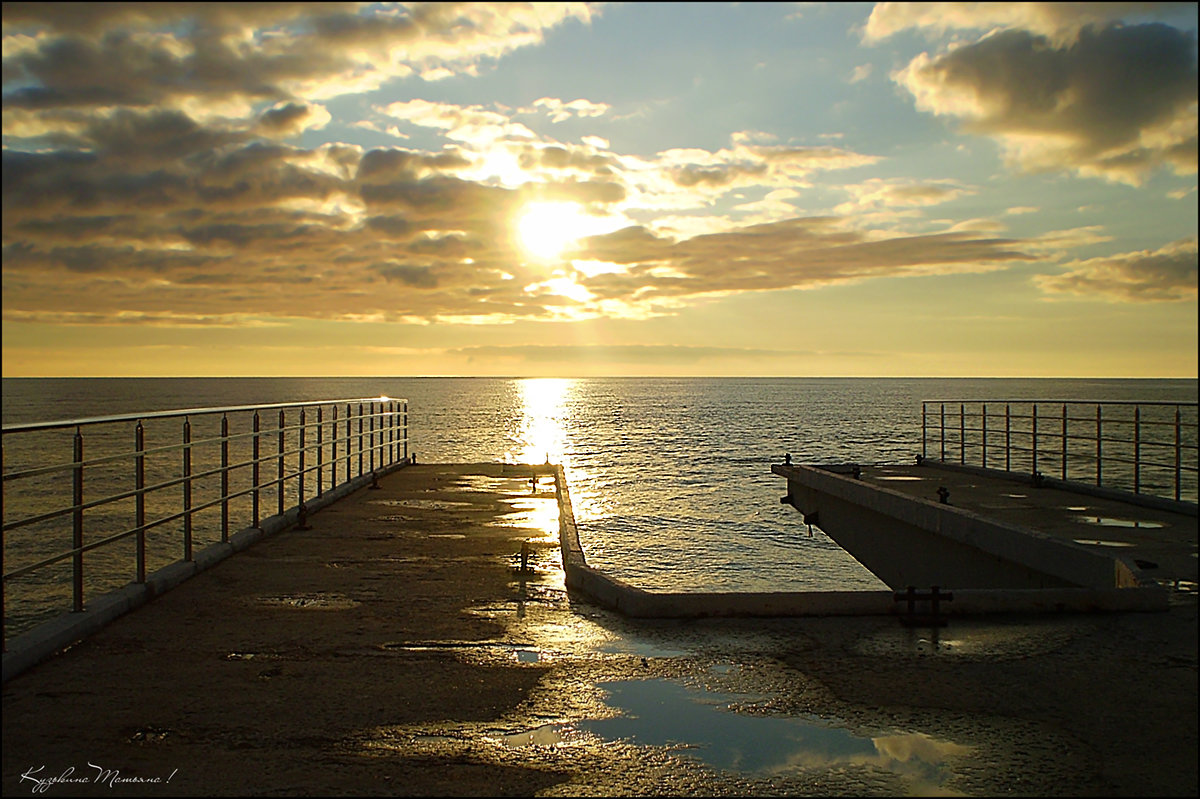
(1142, 447)
(157, 484)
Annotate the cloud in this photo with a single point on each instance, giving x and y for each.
(155, 173)
(878, 193)
(560, 111)
(1058, 21)
(1117, 102)
(1168, 274)
(860, 73)
(166, 55)
(474, 125)
(285, 120)
(797, 253)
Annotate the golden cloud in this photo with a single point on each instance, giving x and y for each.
(1168, 274)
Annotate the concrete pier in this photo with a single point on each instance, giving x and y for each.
(1001, 542)
(399, 647)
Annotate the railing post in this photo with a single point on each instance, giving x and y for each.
(391, 428)
(1099, 447)
(983, 433)
(77, 525)
(1007, 437)
(1035, 443)
(371, 437)
(406, 430)
(943, 431)
(1137, 449)
(1178, 469)
(1064, 441)
(333, 458)
(139, 483)
(187, 489)
(224, 478)
(254, 469)
(924, 432)
(320, 447)
(279, 460)
(300, 462)
(360, 439)
(962, 433)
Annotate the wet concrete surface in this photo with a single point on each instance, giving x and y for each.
(397, 648)
(1162, 540)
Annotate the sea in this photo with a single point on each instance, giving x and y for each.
(670, 478)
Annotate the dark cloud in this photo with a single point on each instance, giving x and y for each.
(1168, 274)
(390, 164)
(161, 54)
(415, 276)
(1117, 101)
(562, 157)
(292, 118)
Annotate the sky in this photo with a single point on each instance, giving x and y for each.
(761, 189)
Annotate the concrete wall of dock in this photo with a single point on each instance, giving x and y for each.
(614, 594)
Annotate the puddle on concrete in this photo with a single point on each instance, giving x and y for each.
(626, 646)
(665, 713)
(545, 735)
(522, 653)
(310, 601)
(899, 477)
(485, 484)
(252, 656)
(1017, 496)
(445, 535)
(433, 739)
(150, 735)
(1108, 521)
(429, 504)
(530, 512)
(965, 638)
(1097, 542)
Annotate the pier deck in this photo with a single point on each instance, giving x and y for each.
(1002, 542)
(1162, 539)
(392, 649)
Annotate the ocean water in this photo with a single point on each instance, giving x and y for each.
(670, 478)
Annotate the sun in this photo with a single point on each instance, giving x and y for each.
(546, 229)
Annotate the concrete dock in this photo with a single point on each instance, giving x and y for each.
(398, 647)
(1001, 541)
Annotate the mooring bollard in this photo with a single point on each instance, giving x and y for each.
(374, 481)
(302, 518)
(935, 597)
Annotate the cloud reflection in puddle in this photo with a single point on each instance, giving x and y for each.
(665, 713)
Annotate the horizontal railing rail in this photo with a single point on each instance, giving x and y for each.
(166, 481)
(1140, 447)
